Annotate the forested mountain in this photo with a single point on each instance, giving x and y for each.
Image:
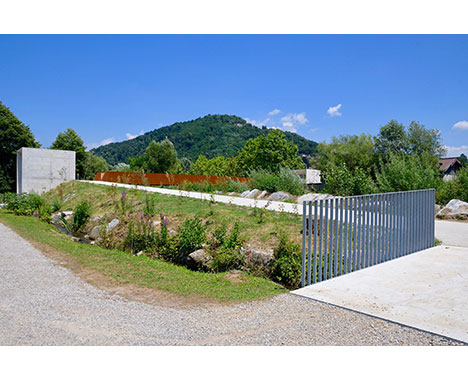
(212, 135)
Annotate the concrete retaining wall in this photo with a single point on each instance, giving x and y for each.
(39, 170)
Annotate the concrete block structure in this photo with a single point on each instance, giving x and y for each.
(39, 170)
(309, 176)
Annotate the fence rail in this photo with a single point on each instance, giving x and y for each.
(137, 178)
(342, 235)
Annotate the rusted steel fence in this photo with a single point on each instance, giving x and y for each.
(137, 178)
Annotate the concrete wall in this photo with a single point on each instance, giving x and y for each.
(39, 170)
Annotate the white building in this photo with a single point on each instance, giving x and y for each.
(39, 170)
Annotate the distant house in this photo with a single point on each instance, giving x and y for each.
(450, 166)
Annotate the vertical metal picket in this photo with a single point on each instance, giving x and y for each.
(304, 219)
(322, 234)
(314, 273)
(330, 245)
(325, 242)
(309, 245)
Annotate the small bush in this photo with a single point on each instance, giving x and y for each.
(225, 259)
(23, 204)
(287, 264)
(226, 249)
(284, 180)
(141, 235)
(149, 208)
(191, 236)
(56, 204)
(81, 215)
(167, 246)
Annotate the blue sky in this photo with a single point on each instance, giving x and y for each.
(111, 87)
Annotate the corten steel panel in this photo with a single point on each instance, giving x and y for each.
(161, 178)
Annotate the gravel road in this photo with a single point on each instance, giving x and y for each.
(43, 303)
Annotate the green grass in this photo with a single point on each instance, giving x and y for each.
(143, 271)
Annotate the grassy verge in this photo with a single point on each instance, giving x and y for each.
(259, 227)
(142, 271)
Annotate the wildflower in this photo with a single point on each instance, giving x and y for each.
(165, 221)
(36, 212)
(124, 194)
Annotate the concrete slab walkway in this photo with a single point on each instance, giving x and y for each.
(452, 233)
(427, 290)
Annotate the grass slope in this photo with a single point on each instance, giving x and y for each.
(142, 271)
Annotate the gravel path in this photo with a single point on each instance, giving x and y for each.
(43, 303)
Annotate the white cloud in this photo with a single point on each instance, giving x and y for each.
(334, 111)
(130, 136)
(461, 125)
(276, 111)
(291, 120)
(455, 151)
(103, 142)
(257, 123)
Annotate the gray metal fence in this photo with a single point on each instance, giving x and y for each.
(342, 235)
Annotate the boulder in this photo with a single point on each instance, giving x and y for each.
(245, 193)
(314, 197)
(279, 196)
(258, 257)
(455, 209)
(55, 218)
(199, 259)
(113, 223)
(2, 205)
(97, 218)
(262, 195)
(437, 208)
(253, 194)
(95, 232)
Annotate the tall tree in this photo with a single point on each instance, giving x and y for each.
(352, 150)
(422, 141)
(161, 157)
(69, 140)
(94, 164)
(392, 138)
(13, 136)
(269, 152)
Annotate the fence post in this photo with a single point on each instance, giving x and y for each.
(304, 233)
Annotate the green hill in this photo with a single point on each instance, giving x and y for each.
(212, 135)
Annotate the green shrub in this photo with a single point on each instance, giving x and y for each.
(339, 180)
(56, 204)
(44, 212)
(457, 188)
(226, 249)
(284, 180)
(191, 236)
(23, 204)
(225, 259)
(405, 172)
(81, 215)
(287, 264)
(141, 235)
